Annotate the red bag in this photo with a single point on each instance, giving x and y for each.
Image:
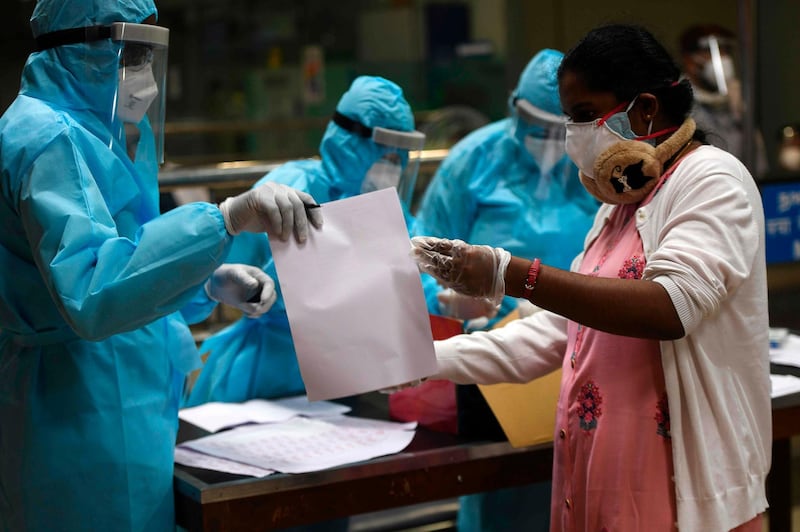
(433, 403)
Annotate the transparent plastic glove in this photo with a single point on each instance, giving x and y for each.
(477, 271)
(271, 208)
(244, 287)
(462, 307)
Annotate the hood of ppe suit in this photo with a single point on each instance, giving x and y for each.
(538, 84)
(374, 102)
(82, 76)
(54, 15)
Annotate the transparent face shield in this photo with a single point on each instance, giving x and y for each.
(140, 98)
(544, 134)
(399, 163)
(136, 108)
(717, 67)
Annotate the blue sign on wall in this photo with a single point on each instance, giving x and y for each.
(782, 217)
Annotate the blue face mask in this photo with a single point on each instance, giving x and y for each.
(620, 123)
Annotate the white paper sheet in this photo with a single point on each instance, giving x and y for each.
(301, 444)
(354, 300)
(788, 354)
(192, 458)
(217, 416)
(784, 385)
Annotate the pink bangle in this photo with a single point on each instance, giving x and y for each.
(530, 281)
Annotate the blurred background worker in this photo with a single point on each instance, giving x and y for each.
(369, 144)
(709, 54)
(98, 288)
(507, 184)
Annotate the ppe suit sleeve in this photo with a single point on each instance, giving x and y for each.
(199, 307)
(446, 207)
(107, 271)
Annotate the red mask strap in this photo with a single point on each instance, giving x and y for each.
(659, 133)
(614, 111)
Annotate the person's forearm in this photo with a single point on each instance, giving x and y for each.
(619, 306)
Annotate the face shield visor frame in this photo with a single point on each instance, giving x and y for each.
(140, 98)
(403, 149)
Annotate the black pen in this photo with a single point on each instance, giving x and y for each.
(309, 206)
(256, 297)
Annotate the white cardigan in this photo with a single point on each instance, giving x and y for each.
(703, 238)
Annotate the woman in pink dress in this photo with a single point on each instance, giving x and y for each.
(660, 327)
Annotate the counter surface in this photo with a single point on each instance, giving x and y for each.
(434, 466)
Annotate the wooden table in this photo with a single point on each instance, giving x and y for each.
(434, 466)
(785, 424)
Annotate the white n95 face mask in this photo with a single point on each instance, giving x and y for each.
(586, 141)
(137, 89)
(382, 174)
(622, 171)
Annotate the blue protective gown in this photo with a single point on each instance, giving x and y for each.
(491, 191)
(94, 301)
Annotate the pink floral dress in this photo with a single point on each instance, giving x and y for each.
(613, 455)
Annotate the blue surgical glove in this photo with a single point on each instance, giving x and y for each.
(244, 287)
(271, 208)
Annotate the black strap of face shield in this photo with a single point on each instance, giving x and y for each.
(72, 36)
(348, 124)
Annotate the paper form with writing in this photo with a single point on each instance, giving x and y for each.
(192, 458)
(301, 445)
(216, 416)
(354, 300)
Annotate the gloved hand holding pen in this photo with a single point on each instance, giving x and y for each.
(477, 271)
(272, 208)
(242, 286)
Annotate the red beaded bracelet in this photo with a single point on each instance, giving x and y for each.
(530, 281)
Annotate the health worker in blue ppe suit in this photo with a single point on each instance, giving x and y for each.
(507, 184)
(98, 287)
(369, 144)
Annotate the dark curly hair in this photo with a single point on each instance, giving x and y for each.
(627, 60)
